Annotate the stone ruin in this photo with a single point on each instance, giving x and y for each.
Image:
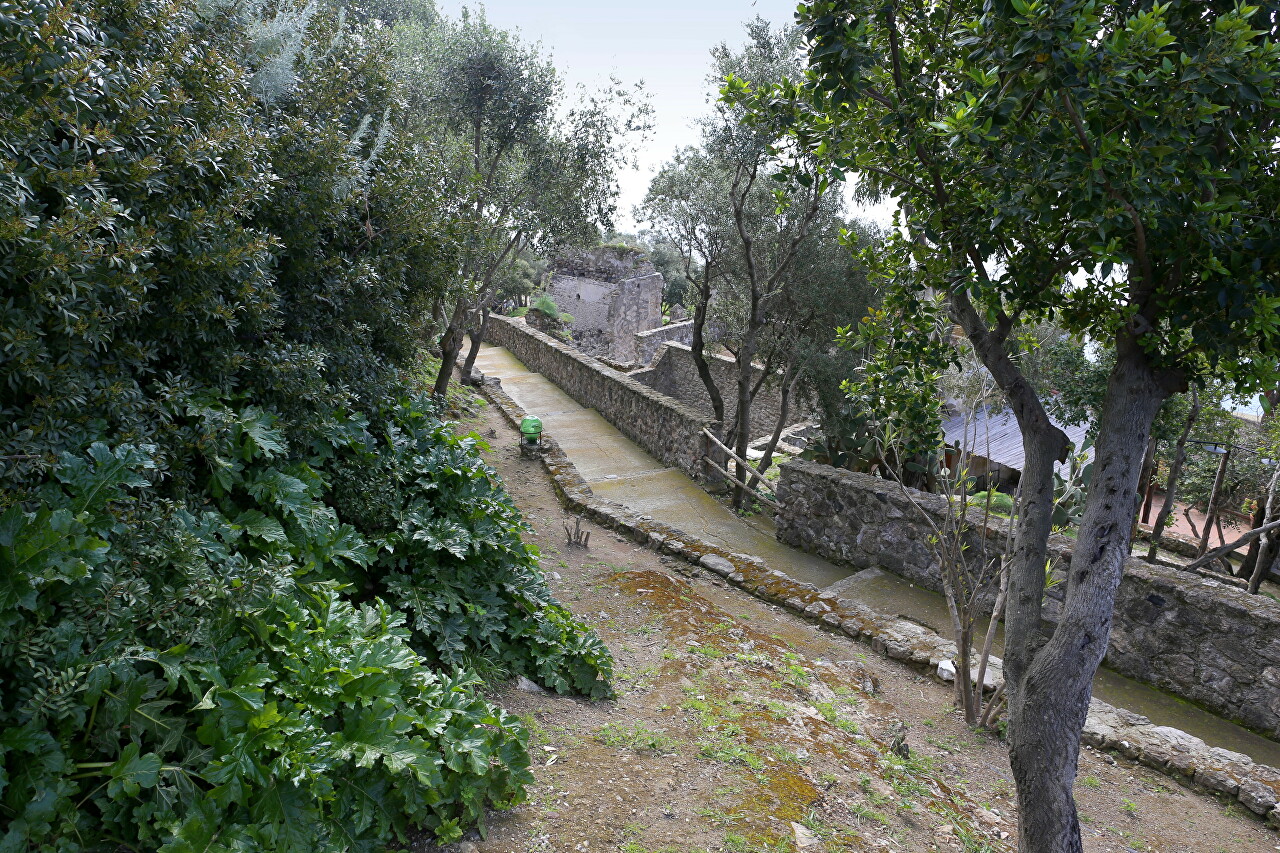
(612, 292)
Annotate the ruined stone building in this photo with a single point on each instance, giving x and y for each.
(612, 292)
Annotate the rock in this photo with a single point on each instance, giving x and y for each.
(528, 686)
(1216, 779)
(804, 837)
(465, 847)
(881, 789)
(989, 818)
(1257, 797)
(717, 564)
(946, 671)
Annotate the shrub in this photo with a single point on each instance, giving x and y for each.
(450, 553)
(545, 305)
(237, 589)
(175, 675)
(176, 678)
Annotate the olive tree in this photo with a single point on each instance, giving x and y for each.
(741, 232)
(1106, 166)
(528, 169)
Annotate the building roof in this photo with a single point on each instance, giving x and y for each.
(994, 434)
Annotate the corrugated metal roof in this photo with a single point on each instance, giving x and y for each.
(994, 434)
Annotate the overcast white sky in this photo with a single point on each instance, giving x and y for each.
(664, 43)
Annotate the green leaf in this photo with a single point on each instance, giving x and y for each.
(261, 526)
(132, 772)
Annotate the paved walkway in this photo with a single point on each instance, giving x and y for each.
(619, 470)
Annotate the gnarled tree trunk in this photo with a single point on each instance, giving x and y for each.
(1175, 473)
(1050, 698)
(477, 338)
(450, 346)
(742, 418)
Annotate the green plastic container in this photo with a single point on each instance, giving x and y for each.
(531, 429)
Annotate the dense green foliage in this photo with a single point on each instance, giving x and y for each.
(244, 571)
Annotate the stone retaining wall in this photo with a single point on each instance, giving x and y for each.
(1174, 752)
(675, 375)
(1195, 638)
(648, 343)
(668, 430)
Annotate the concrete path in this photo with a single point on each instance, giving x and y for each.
(620, 471)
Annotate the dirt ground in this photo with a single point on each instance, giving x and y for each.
(739, 727)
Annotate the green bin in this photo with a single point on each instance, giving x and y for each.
(531, 430)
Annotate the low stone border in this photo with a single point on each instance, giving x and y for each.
(1168, 750)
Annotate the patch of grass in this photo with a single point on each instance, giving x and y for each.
(783, 754)
(756, 844)
(637, 847)
(862, 812)
(797, 676)
(948, 743)
(753, 658)
(719, 747)
(1130, 808)
(717, 818)
(638, 737)
(706, 651)
(831, 714)
(537, 734)
(864, 782)
(777, 710)
(1091, 782)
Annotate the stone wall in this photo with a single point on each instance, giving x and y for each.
(604, 263)
(1196, 638)
(612, 293)
(675, 375)
(649, 343)
(668, 430)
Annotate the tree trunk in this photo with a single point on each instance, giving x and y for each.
(1268, 544)
(1175, 472)
(784, 411)
(697, 349)
(1211, 511)
(742, 418)
(1268, 561)
(1251, 556)
(1146, 480)
(1051, 698)
(477, 338)
(450, 345)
